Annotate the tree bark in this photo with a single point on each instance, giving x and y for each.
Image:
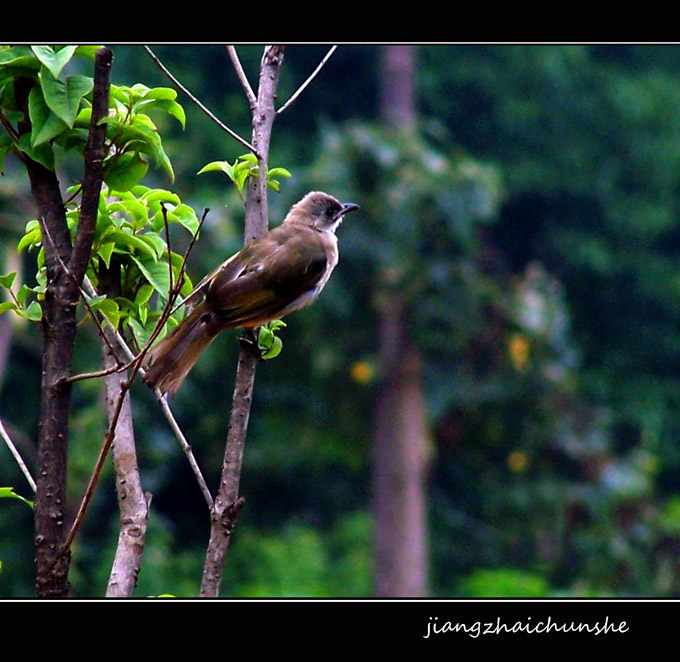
(133, 503)
(400, 433)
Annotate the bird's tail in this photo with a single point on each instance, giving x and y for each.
(174, 356)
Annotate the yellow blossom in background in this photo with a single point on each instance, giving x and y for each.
(518, 462)
(518, 348)
(362, 372)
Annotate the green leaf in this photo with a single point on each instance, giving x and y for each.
(154, 242)
(126, 240)
(160, 93)
(162, 98)
(88, 51)
(142, 332)
(182, 214)
(220, 166)
(160, 195)
(63, 96)
(54, 60)
(33, 312)
(105, 251)
(132, 208)
(18, 56)
(278, 172)
(8, 279)
(269, 344)
(7, 305)
(45, 125)
(274, 350)
(109, 308)
(95, 300)
(173, 109)
(156, 273)
(24, 292)
(143, 137)
(9, 493)
(144, 294)
(43, 154)
(127, 170)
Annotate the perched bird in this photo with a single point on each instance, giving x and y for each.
(270, 277)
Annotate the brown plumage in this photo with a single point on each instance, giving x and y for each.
(280, 272)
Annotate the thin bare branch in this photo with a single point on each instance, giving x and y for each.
(252, 100)
(302, 87)
(17, 456)
(215, 119)
(186, 447)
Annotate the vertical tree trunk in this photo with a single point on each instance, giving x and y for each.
(59, 325)
(59, 328)
(400, 436)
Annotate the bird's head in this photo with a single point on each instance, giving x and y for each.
(320, 210)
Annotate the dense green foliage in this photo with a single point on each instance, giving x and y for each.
(530, 224)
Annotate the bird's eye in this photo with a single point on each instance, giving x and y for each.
(330, 212)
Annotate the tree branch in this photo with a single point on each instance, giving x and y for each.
(312, 76)
(133, 503)
(213, 117)
(94, 158)
(227, 501)
(17, 456)
(252, 99)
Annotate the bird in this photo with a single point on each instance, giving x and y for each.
(271, 276)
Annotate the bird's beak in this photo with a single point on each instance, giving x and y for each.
(348, 207)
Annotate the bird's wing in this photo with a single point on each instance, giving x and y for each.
(271, 275)
(229, 268)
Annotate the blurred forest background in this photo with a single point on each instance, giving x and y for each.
(495, 364)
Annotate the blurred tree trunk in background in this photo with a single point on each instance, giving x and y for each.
(400, 434)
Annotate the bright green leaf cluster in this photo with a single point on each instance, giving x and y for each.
(243, 167)
(54, 100)
(134, 135)
(59, 108)
(269, 344)
(130, 239)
